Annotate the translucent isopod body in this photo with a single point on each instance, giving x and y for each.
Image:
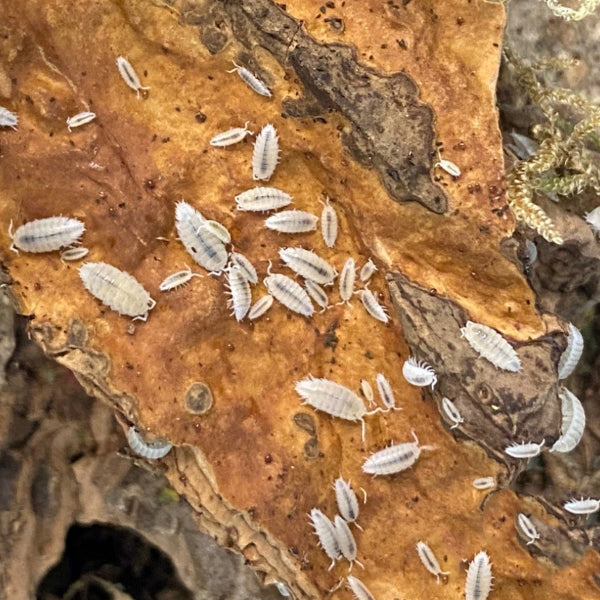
(152, 450)
(8, 118)
(570, 357)
(80, 119)
(308, 264)
(245, 266)
(347, 501)
(260, 307)
(394, 459)
(449, 167)
(479, 577)
(372, 306)
(347, 278)
(71, 254)
(251, 80)
(218, 230)
(386, 393)
(239, 290)
(329, 224)
(524, 450)
(451, 412)
(177, 279)
(484, 483)
(47, 235)
(266, 154)
(117, 289)
(527, 528)
(262, 199)
(430, 562)
(573, 422)
(289, 293)
(325, 531)
(359, 589)
(230, 137)
(367, 270)
(345, 540)
(419, 373)
(129, 75)
(492, 346)
(292, 221)
(317, 293)
(593, 219)
(583, 506)
(367, 391)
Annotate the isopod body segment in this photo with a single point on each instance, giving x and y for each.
(245, 266)
(570, 357)
(451, 412)
(72, 254)
(177, 279)
(325, 531)
(347, 279)
(239, 289)
(479, 577)
(289, 293)
(346, 541)
(308, 265)
(317, 293)
(292, 221)
(151, 450)
(266, 154)
(251, 80)
(230, 137)
(573, 422)
(347, 501)
(419, 373)
(484, 483)
(262, 199)
(80, 119)
(329, 224)
(359, 589)
(527, 528)
(8, 118)
(129, 75)
(429, 560)
(372, 306)
(367, 270)
(260, 307)
(47, 235)
(583, 506)
(524, 450)
(386, 393)
(394, 459)
(489, 344)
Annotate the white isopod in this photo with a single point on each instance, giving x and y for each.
(347, 501)
(283, 589)
(372, 306)
(266, 154)
(448, 166)
(325, 531)
(367, 390)
(492, 346)
(245, 266)
(218, 230)
(419, 373)
(479, 577)
(430, 562)
(346, 283)
(251, 80)
(386, 393)
(129, 75)
(260, 307)
(203, 245)
(359, 589)
(292, 221)
(593, 219)
(230, 137)
(527, 528)
(308, 264)
(573, 422)
(117, 289)
(367, 270)
(329, 224)
(46, 235)
(583, 506)
(524, 449)
(317, 293)
(346, 541)
(451, 412)
(289, 293)
(74, 253)
(239, 289)
(334, 399)
(262, 199)
(152, 450)
(570, 357)
(8, 118)
(176, 279)
(394, 458)
(484, 483)
(80, 119)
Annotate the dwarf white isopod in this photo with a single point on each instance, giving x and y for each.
(8, 118)
(325, 531)
(46, 235)
(479, 577)
(419, 373)
(448, 166)
(308, 264)
(593, 219)
(451, 412)
(394, 458)
(239, 289)
(573, 422)
(487, 342)
(292, 221)
(218, 230)
(266, 154)
(430, 562)
(527, 528)
(317, 293)
(283, 589)
(524, 449)
(359, 589)
(584, 506)
(386, 393)
(346, 283)
(262, 199)
(129, 75)
(372, 306)
(251, 80)
(329, 224)
(74, 253)
(80, 119)
(260, 307)
(367, 390)
(346, 540)
(570, 357)
(230, 137)
(289, 293)
(117, 289)
(484, 483)
(176, 279)
(245, 266)
(367, 270)
(151, 450)
(347, 501)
